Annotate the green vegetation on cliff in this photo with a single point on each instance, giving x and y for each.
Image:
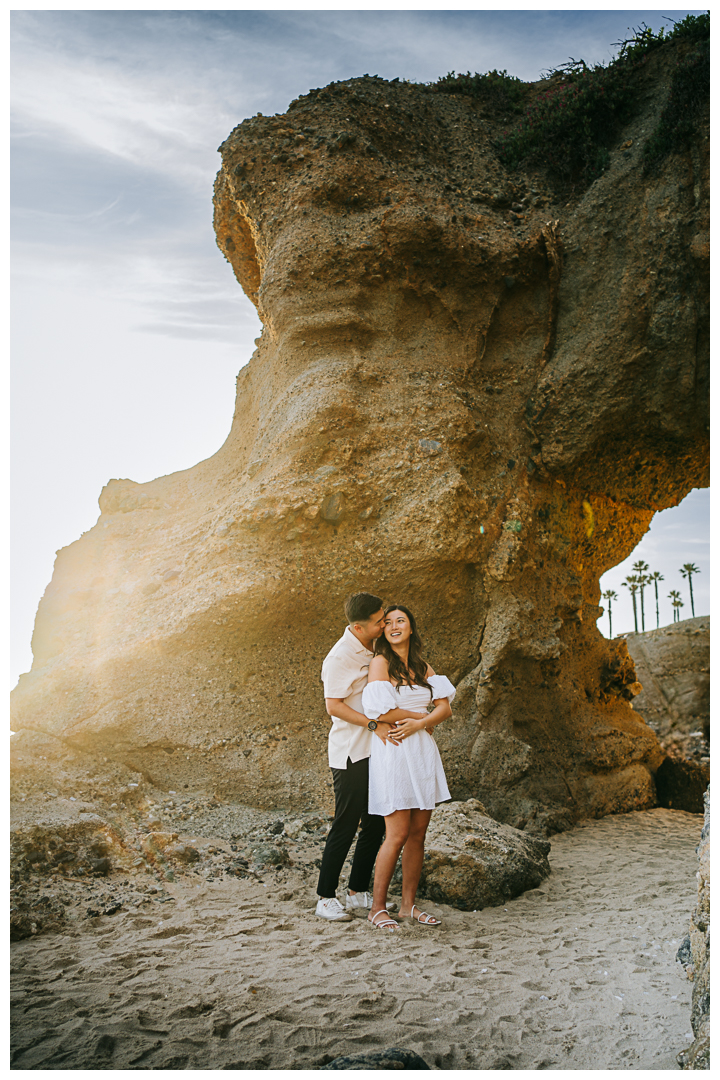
(568, 125)
(689, 91)
(495, 88)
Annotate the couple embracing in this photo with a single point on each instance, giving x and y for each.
(384, 701)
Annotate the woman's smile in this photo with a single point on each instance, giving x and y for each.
(397, 627)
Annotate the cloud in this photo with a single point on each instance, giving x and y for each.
(161, 89)
(196, 310)
(174, 289)
(154, 127)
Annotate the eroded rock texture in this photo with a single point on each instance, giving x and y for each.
(467, 408)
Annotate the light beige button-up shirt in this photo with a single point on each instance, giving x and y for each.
(345, 675)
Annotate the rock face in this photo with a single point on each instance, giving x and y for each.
(472, 862)
(673, 666)
(470, 409)
(61, 840)
(695, 955)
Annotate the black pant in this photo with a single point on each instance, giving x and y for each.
(351, 809)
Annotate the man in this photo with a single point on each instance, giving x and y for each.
(344, 676)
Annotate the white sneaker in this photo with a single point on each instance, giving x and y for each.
(331, 909)
(362, 901)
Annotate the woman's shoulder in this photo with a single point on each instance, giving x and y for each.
(429, 673)
(378, 669)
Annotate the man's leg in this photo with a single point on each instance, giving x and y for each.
(372, 833)
(350, 786)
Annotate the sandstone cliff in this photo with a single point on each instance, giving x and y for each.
(471, 408)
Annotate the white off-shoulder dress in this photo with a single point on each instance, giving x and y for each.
(410, 775)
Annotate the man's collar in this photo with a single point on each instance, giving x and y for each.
(355, 642)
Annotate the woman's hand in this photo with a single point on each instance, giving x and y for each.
(386, 733)
(404, 728)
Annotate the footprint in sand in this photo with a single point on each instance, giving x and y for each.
(129, 989)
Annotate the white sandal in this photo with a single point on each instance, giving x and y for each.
(419, 918)
(384, 924)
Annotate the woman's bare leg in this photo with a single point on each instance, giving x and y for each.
(397, 825)
(412, 859)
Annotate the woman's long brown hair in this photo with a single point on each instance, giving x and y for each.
(414, 673)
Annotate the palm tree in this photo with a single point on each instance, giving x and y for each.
(609, 595)
(655, 577)
(631, 583)
(642, 579)
(687, 571)
(677, 603)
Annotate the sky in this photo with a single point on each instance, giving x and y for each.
(128, 327)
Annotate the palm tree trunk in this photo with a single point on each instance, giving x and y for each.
(610, 615)
(692, 601)
(642, 606)
(635, 611)
(657, 606)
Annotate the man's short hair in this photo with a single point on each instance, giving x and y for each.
(360, 606)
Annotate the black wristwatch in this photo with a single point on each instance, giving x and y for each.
(372, 724)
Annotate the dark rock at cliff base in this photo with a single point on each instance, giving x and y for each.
(684, 953)
(270, 855)
(69, 837)
(23, 924)
(681, 784)
(380, 1059)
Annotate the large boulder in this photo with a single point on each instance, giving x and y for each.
(472, 862)
(694, 953)
(467, 407)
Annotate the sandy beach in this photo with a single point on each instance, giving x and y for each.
(221, 974)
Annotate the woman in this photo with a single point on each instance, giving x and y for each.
(406, 778)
